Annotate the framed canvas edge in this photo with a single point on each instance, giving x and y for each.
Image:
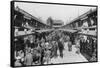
(12, 31)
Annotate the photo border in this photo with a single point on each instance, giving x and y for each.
(12, 31)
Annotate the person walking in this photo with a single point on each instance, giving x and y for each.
(69, 46)
(61, 48)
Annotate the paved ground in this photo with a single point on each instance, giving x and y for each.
(69, 57)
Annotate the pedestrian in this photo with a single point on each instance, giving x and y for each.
(69, 46)
(61, 48)
(77, 45)
(28, 57)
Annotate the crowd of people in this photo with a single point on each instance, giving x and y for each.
(37, 50)
(40, 48)
(87, 45)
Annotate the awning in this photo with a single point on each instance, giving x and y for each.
(44, 30)
(90, 33)
(69, 30)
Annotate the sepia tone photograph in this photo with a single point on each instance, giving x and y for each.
(53, 33)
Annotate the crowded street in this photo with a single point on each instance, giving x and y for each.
(69, 56)
(52, 39)
(52, 47)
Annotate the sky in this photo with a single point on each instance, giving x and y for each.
(66, 13)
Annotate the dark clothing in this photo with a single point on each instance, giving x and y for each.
(42, 55)
(61, 48)
(60, 45)
(81, 46)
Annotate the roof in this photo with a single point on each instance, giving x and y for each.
(81, 16)
(79, 28)
(58, 22)
(28, 15)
